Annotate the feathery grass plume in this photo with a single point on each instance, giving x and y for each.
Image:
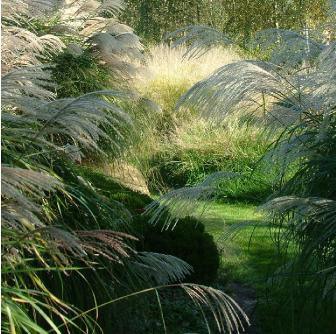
(120, 52)
(317, 212)
(313, 133)
(199, 39)
(80, 22)
(289, 96)
(114, 44)
(24, 48)
(22, 191)
(33, 84)
(107, 243)
(226, 312)
(161, 268)
(22, 194)
(82, 9)
(16, 10)
(183, 202)
(86, 18)
(289, 48)
(224, 92)
(80, 121)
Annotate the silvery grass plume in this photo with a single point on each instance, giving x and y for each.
(82, 9)
(160, 268)
(71, 10)
(183, 202)
(21, 48)
(24, 211)
(84, 22)
(22, 191)
(16, 10)
(115, 44)
(229, 317)
(285, 47)
(27, 99)
(79, 122)
(289, 95)
(304, 141)
(289, 48)
(199, 39)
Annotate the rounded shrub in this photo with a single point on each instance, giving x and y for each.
(187, 241)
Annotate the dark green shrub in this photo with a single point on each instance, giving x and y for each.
(79, 74)
(188, 241)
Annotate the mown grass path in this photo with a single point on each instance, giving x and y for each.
(249, 255)
(247, 245)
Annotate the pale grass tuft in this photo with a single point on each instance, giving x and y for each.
(167, 67)
(162, 268)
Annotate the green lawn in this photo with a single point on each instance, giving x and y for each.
(248, 252)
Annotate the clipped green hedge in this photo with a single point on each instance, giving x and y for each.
(188, 241)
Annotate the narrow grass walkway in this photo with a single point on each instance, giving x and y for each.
(249, 256)
(246, 243)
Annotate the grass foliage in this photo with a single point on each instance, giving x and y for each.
(199, 123)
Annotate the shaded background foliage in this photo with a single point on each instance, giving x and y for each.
(238, 19)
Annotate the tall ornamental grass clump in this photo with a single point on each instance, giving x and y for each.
(67, 251)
